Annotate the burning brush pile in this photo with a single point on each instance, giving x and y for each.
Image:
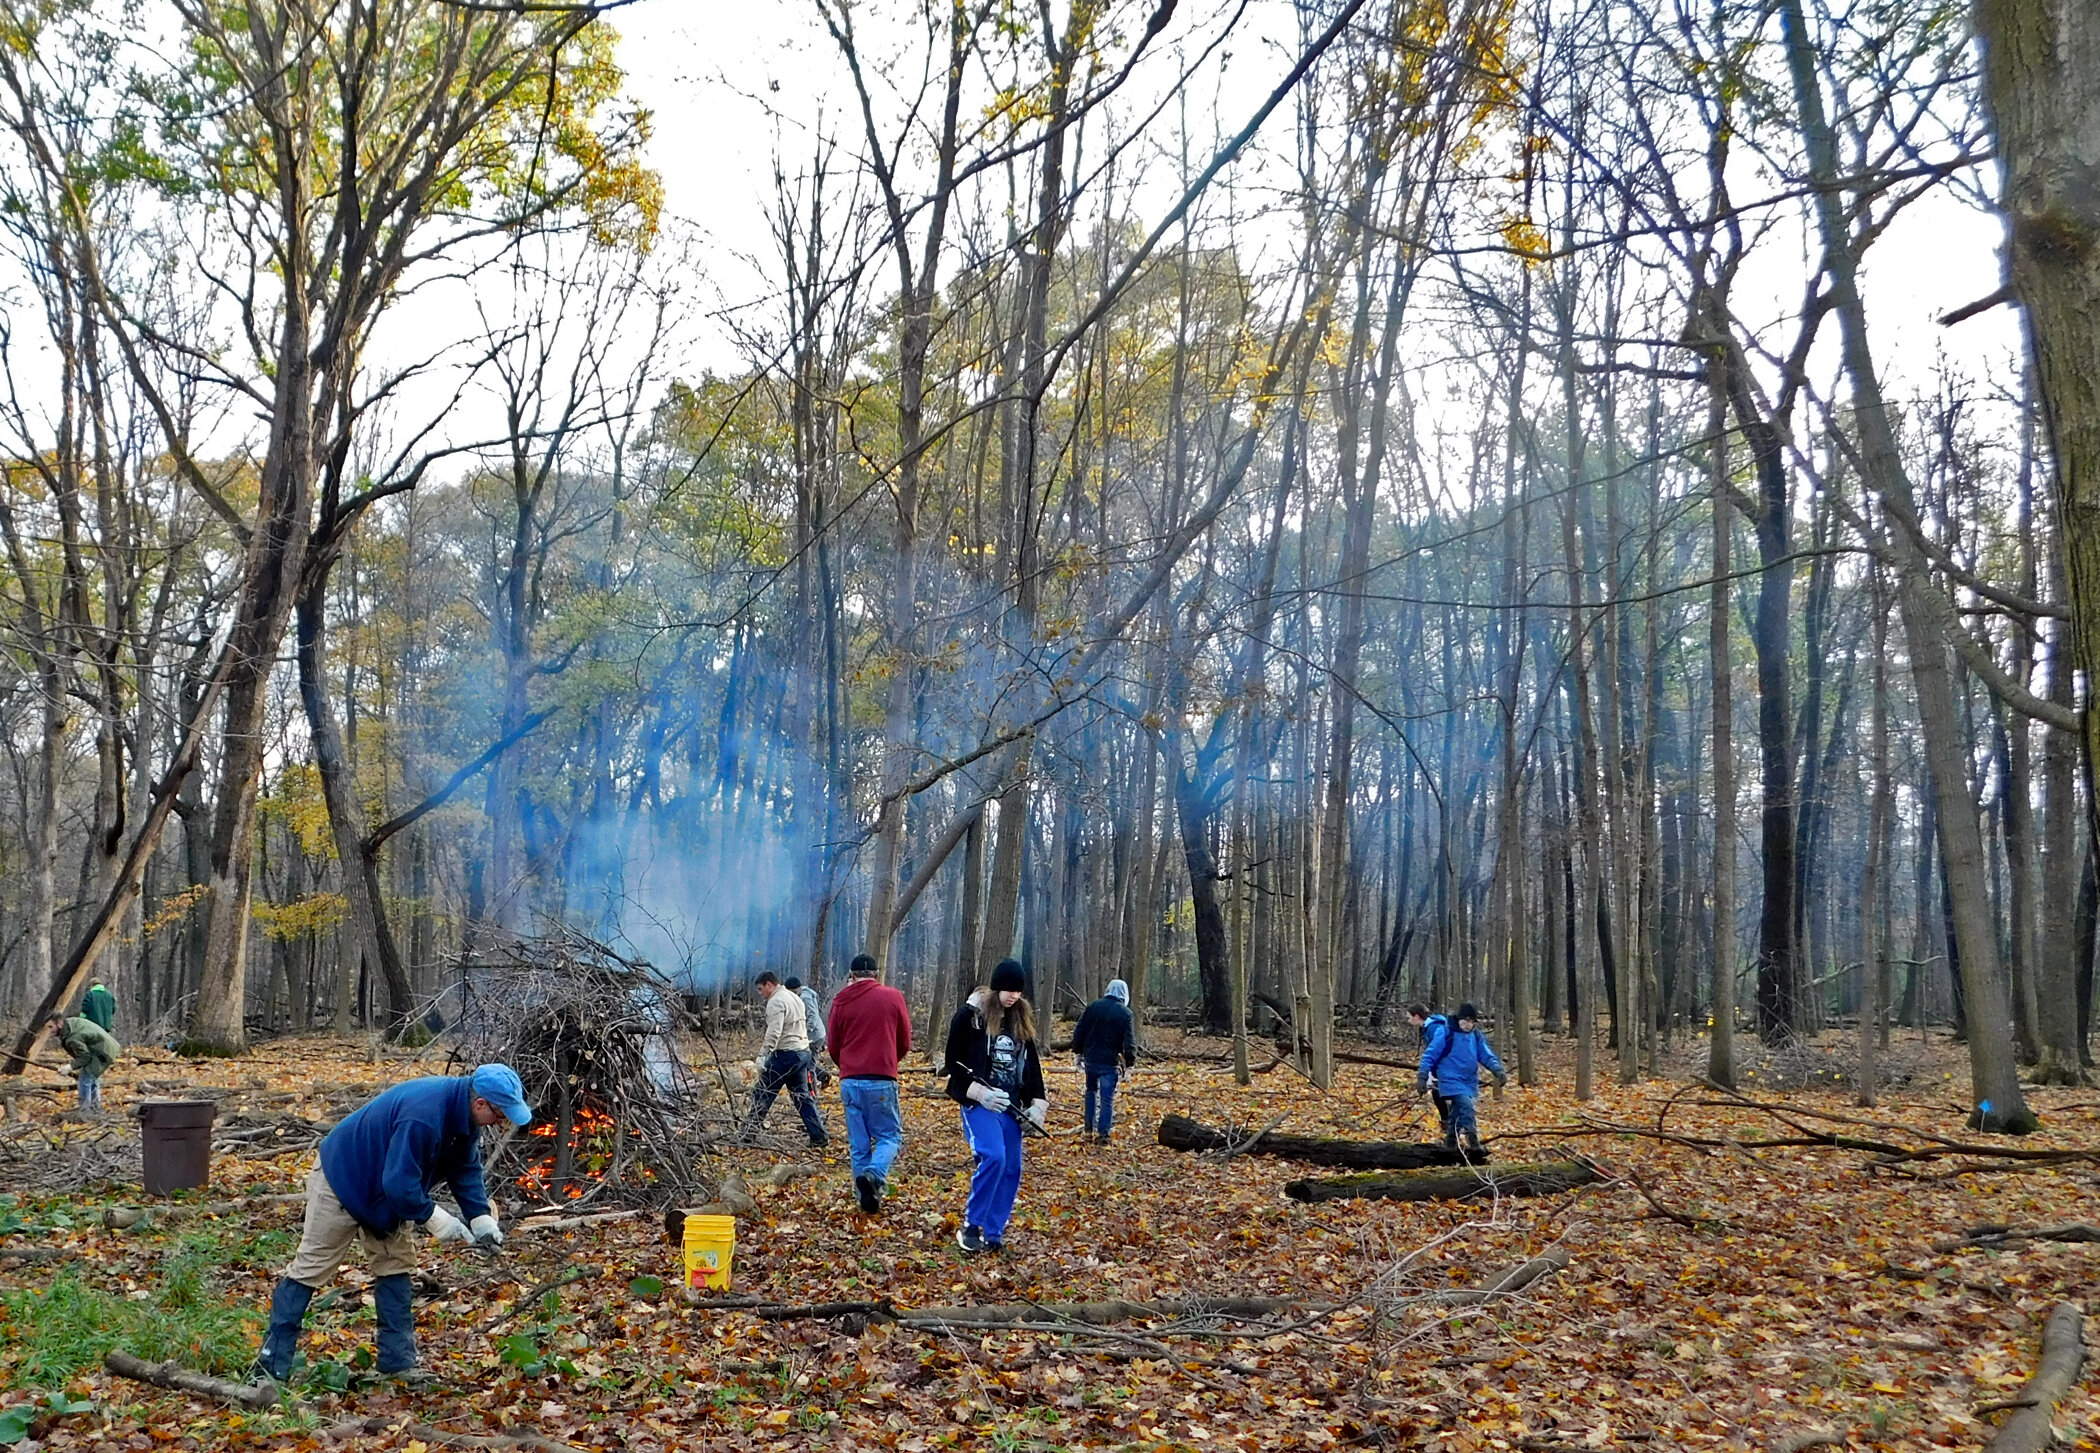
(591, 1035)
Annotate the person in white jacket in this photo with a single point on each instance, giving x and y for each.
(784, 1062)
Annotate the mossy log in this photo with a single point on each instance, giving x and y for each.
(1178, 1132)
(1458, 1183)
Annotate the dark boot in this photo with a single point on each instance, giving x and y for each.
(393, 1300)
(281, 1342)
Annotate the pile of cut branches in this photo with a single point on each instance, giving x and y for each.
(591, 1034)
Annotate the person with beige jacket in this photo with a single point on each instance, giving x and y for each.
(784, 1062)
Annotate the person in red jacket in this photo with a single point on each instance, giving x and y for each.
(869, 1033)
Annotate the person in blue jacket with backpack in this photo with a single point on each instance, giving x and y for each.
(374, 1182)
(1453, 1055)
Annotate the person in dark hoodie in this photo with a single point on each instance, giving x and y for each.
(374, 1181)
(869, 1035)
(1105, 1044)
(996, 1075)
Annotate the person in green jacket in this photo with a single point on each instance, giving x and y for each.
(100, 1005)
(93, 1050)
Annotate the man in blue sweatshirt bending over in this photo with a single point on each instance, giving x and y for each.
(374, 1182)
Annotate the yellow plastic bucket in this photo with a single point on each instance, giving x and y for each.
(710, 1246)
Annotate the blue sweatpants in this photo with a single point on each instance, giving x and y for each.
(996, 1141)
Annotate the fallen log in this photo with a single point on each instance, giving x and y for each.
(1995, 1235)
(1178, 1132)
(2063, 1355)
(1462, 1183)
(172, 1374)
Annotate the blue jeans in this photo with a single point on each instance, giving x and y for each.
(874, 1125)
(996, 1141)
(1101, 1088)
(786, 1069)
(1462, 1120)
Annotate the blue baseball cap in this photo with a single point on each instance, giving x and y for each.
(501, 1087)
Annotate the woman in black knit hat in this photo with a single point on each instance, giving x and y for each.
(996, 1075)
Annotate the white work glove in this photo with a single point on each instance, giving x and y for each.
(444, 1226)
(993, 1100)
(486, 1231)
(1039, 1112)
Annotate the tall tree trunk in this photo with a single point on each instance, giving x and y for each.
(1872, 912)
(1720, 1055)
(370, 937)
(2041, 76)
(1994, 1071)
(264, 609)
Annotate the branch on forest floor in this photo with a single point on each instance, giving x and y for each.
(1800, 1442)
(1656, 1207)
(373, 1427)
(174, 1376)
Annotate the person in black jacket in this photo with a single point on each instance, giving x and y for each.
(996, 1075)
(1104, 1044)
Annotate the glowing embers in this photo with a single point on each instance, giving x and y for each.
(595, 1144)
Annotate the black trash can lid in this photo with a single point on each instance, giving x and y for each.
(177, 1114)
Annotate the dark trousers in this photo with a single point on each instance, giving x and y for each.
(786, 1069)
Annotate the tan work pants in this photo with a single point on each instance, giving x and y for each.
(329, 1231)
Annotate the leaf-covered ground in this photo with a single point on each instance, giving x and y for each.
(1723, 1295)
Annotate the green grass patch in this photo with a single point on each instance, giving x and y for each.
(62, 1330)
(266, 1250)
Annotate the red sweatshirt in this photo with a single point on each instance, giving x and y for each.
(869, 1030)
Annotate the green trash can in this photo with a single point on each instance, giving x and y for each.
(175, 1136)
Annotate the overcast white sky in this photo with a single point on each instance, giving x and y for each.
(724, 80)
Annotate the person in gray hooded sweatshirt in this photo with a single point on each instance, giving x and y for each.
(1105, 1044)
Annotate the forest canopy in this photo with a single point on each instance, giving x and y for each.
(1302, 508)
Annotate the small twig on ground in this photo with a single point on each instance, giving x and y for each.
(525, 1300)
(1228, 1152)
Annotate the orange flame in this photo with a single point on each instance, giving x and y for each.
(589, 1124)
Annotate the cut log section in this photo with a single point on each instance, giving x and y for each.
(2063, 1354)
(1178, 1132)
(1541, 1178)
